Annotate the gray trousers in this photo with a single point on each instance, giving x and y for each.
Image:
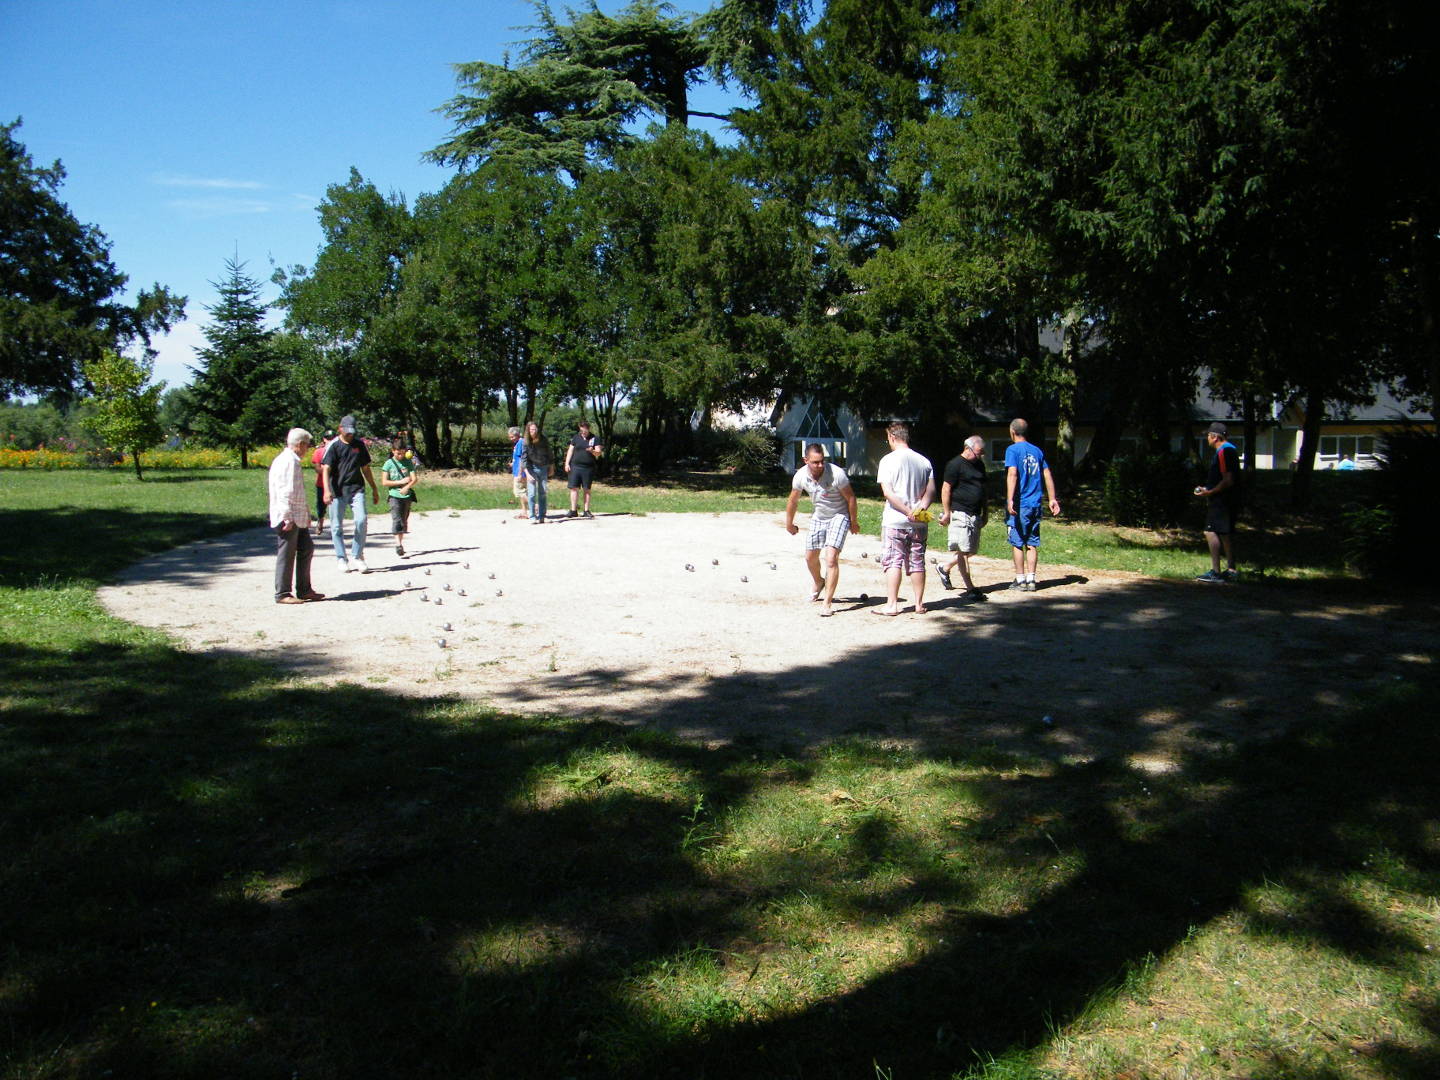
(293, 551)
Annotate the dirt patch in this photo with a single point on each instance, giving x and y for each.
(603, 619)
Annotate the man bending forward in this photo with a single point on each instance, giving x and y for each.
(834, 515)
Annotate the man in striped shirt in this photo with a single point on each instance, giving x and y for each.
(290, 521)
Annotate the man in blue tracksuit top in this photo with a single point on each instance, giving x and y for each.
(1027, 480)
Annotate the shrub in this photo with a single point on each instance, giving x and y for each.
(1147, 490)
(751, 450)
(1368, 540)
(35, 426)
(1408, 463)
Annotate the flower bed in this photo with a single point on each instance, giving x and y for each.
(197, 458)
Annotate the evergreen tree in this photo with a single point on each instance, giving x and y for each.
(242, 387)
(577, 87)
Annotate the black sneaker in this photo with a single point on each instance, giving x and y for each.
(1229, 575)
(572, 514)
(944, 577)
(588, 514)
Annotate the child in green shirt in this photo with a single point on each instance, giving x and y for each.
(399, 476)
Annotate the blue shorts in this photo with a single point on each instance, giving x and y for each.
(1025, 527)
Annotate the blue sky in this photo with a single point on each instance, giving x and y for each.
(196, 130)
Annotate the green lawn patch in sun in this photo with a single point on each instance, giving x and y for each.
(211, 869)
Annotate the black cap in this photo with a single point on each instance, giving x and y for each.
(1220, 429)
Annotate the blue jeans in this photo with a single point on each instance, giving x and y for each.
(337, 524)
(535, 482)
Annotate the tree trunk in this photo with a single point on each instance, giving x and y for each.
(1063, 461)
(1309, 444)
(430, 433)
(135, 455)
(1426, 256)
(604, 407)
(1027, 357)
(1119, 403)
(244, 457)
(1252, 438)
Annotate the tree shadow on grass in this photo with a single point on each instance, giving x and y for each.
(209, 871)
(760, 484)
(80, 544)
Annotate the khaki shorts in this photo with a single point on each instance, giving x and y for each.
(517, 486)
(964, 535)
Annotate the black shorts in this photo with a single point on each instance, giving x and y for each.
(581, 476)
(1220, 517)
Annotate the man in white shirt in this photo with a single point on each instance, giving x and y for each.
(290, 521)
(907, 480)
(834, 515)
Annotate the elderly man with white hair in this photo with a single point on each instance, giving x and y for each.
(290, 522)
(962, 502)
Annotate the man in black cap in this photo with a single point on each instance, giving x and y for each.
(1222, 488)
(345, 470)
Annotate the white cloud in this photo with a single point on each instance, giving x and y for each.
(174, 180)
(220, 206)
(175, 352)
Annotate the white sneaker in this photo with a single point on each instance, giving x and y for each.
(360, 565)
(342, 566)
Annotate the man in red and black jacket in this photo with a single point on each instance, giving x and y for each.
(1222, 489)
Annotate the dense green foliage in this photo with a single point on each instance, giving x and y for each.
(1148, 490)
(1375, 530)
(928, 207)
(919, 191)
(59, 291)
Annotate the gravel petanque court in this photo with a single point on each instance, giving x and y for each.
(601, 619)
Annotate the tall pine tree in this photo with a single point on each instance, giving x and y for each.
(242, 386)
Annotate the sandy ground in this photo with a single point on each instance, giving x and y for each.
(602, 619)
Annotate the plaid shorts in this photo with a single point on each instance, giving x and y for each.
(829, 534)
(904, 548)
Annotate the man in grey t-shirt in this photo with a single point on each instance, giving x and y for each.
(835, 514)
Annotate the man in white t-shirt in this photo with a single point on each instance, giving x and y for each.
(834, 515)
(907, 480)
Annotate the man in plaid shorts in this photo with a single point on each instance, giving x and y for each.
(835, 514)
(907, 480)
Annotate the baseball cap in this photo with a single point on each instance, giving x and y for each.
(347, 424)
(1216, 428)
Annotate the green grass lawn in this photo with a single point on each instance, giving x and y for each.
(208, 869)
